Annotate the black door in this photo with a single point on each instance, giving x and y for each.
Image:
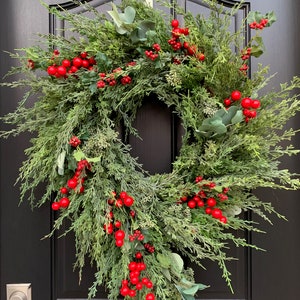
(47, 264)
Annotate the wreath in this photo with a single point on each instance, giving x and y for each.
(138, 229)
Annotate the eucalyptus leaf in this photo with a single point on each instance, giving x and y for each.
(177, 262)
(128, 15)
(61, 163)
(164, 260)
(238, 117)
(184, 296)
(78, 155)
(94, 159)
(166, 273)
(229, 114)
(121, 30)
(115, 15)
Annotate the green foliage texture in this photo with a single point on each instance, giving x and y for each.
(218, 144)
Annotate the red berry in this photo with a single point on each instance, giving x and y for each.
(64, 202)
(216, 213)
(118, 224)
(132, 293)
(192, 50)
(83, 54)
(73, 69)
(123, 195)
(109, 228)
(200, 203)
(223, 219)
(246, 102)
(139, 286)
(185, 45)
(55, 52)
(119, 243)
(64, 190)
(145, 280)
(61, 70)
(192, 203)
(119, 203)
(132, 266)
(176, 32)
(128, 201)
(52, 70)
(141, 266)
(134, 280)
(185, 31)
(66, 63)
(201, 56)
(211, 202)
(124, 282)
(208, 210)
(150, 296)
(134, 273)
(138, 255)
(124, 291)
(174, 23)
(255, 104)
(77, 62)
(119, 234)
(246, 112)
(85, 63)
(183, 198)
(72, 183)
(252, 114)
(196, 198)
(236, 95)
(227, 102)
(149, 285)
(55, 206)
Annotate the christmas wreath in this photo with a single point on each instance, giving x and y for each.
(137, 228)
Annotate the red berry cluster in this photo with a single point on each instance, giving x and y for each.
(75, 183)
(245, 55)
(75, 141)
(149, 248)
(64, 202)
(137, 235)
(153, 55)
(70, 66)
(208, 198)
(123, 199)
(111, 79)
(179, 45)
(112, 225)
(119, 237)
(259, 25)
(249, 105)
(136, 282)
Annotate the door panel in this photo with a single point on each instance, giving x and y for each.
(48, 264)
